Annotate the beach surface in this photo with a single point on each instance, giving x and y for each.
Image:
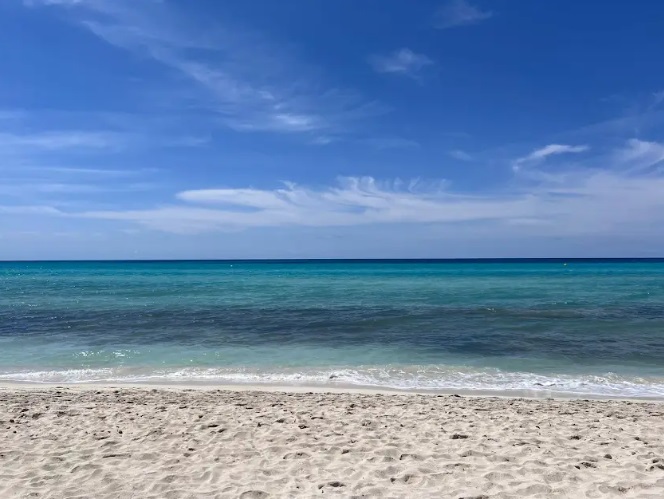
(124, 442)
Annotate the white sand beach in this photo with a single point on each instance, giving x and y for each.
(131, 442)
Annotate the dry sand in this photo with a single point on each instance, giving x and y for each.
(138, 442)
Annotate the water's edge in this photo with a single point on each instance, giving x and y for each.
(319, 389)
(523, 386)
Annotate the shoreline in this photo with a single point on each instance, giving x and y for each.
(325, 389)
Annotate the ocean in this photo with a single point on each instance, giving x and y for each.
(540, 327)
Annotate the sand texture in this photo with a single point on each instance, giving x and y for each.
(172, 443)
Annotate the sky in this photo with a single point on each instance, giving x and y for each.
(143, 129)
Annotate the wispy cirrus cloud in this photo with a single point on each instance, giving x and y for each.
(70, 3)
(35, 132)
(579, 204)
(639, 113)
(251, 83)
(567, 200)
(546, 151)
(31, 189)
(63, 151)
(353, 201)
(641, 155)
(460, 13)
(60, 140)
(30, 210)
(403, 61)
(70, 164)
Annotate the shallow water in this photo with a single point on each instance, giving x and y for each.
(586, 327)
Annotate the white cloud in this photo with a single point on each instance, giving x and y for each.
(546, 151)
(187, 141)
(283, 122)
(460, 155)
(68, 3)
(29, 210)
(403, 61)
(58, 140)
(248, 198)
(460, 13)
(354, 201)
(37, 136)
(566, 202)
(33, 189)
(640, 155)
(323, 140)
(251, 83)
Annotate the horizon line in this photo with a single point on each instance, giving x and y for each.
(354, 260)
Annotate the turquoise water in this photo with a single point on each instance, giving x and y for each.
(582, 328)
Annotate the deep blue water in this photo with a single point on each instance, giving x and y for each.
(565, 326)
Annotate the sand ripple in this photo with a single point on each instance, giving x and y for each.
(170, 443)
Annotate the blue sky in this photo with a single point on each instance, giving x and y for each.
(295, 129)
